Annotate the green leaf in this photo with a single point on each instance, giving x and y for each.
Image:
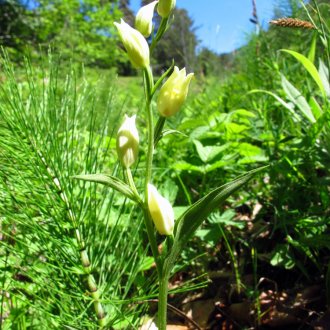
(109, 181)
(309, 66)
(288, 106)
(324, 75)
(298, 99)
(194, 216)
(312, 50)
(239, 113)
(251, 153)
(184, 166)
(208, 153)
(225, 161)
(227, 219)
(282, 257)
(316, 109)
(146, 263)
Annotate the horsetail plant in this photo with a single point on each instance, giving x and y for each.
(156, 209)
(60, 267)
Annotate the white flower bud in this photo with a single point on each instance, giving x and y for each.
(135, 44)
(143, 20)
(128, 142)
(161, 211)
(174, 92)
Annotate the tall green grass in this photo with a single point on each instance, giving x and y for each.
(52, 128)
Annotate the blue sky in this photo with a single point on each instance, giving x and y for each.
(223, 25)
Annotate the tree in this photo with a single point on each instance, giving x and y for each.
(16, 24)
(210, 63)
(179, 43)
(81, 30)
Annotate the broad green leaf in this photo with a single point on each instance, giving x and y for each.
(242, 113)
(191, 124)
(234, 128)
(188, 223)
(282, 257)
(253, 159)
(198, 132)
(227, 219)
(109, 181)
(184, 166)
(225, 161)
(249, 150)
(309, 66)
(251, 153)
(208, 153)
(298, 99)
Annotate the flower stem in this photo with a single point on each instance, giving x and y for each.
(131, 183)
(148, 87)
(162, 276)
(162, 301)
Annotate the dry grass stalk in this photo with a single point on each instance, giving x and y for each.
(292, 23)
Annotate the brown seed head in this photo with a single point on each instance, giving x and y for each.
(292, 23)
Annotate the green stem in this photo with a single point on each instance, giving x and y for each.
(150, 151)
(152, 239)
(162, 301)
(161, 30)
(148, 86)
(158, 130)
(162, 275)
(150, 128)
(233, 259)
(131, 183)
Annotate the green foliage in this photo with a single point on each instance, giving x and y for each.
(16, 25)
(187, 224)
(272, 108)
(81, 31)
(49, 132)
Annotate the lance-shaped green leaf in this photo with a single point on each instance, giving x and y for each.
(288, 106)
(109, 181)
(295, 96)
(310, 67)
(194, 216)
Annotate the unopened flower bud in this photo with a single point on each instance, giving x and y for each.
(143, 20)
(128, 142)
(174, 92)
(165, 7)
(135, 44)
(161, 211)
